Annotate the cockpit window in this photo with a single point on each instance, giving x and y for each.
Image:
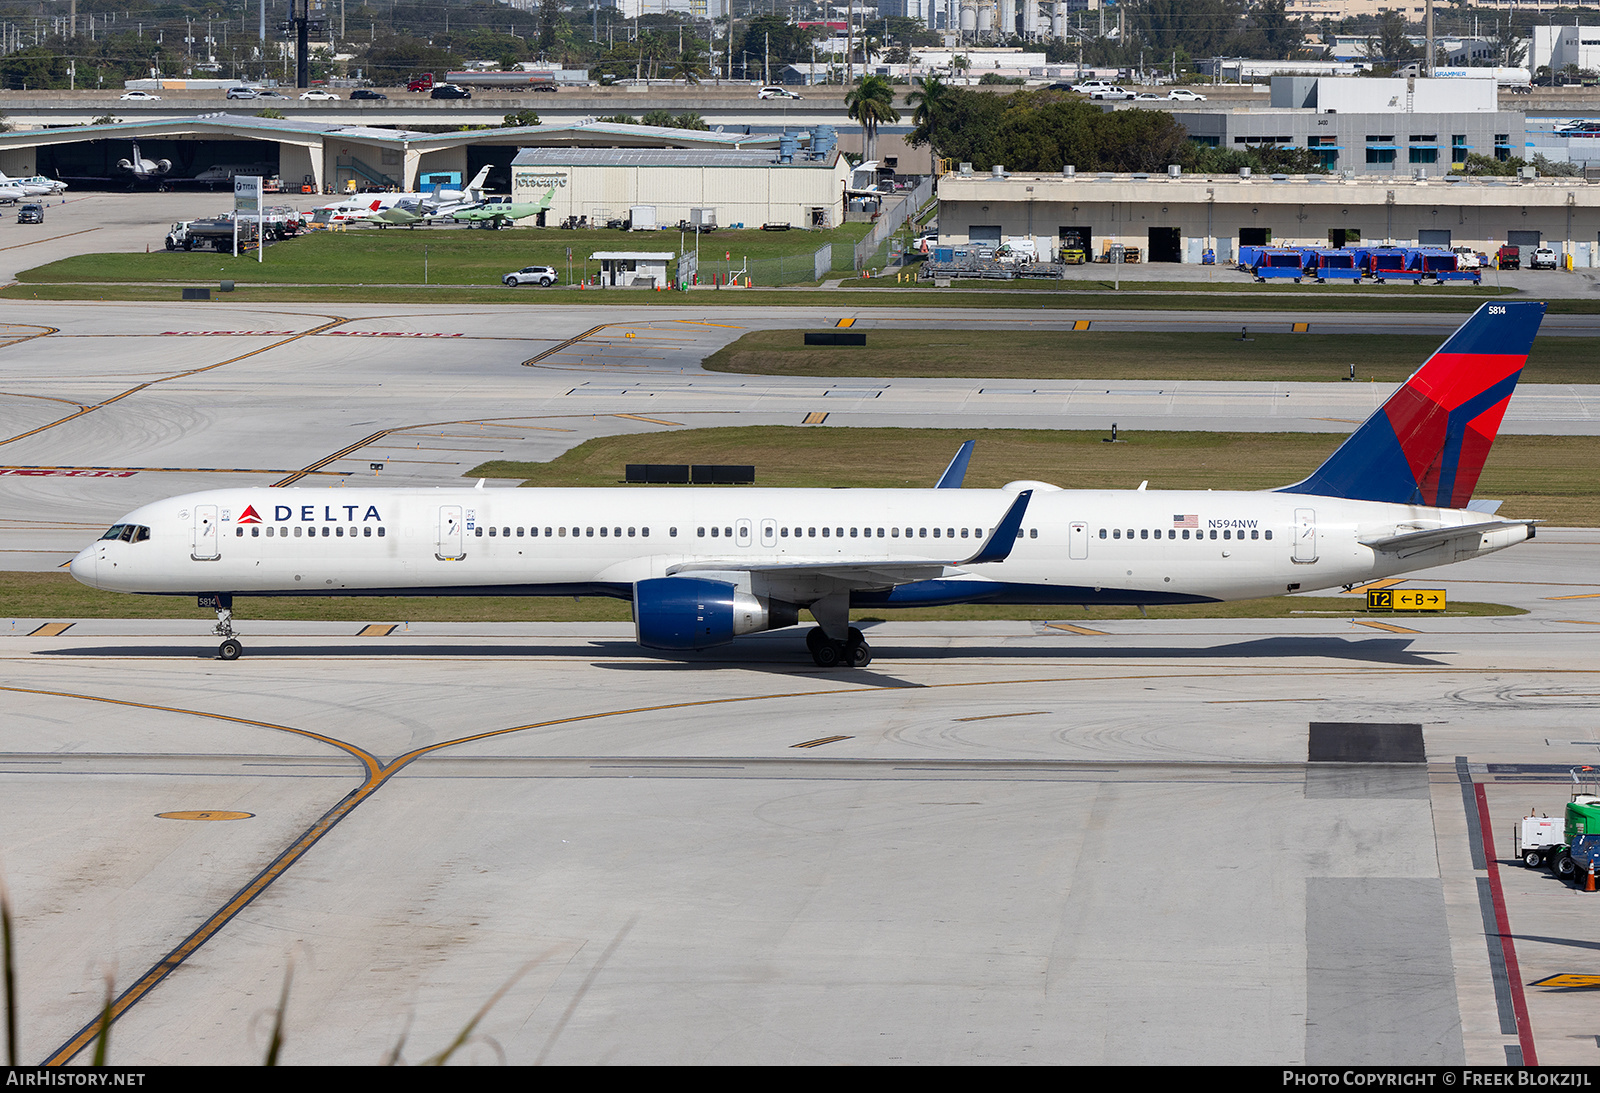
(127, 533)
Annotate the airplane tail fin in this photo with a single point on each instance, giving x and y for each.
(477, 182)
(1427, 444)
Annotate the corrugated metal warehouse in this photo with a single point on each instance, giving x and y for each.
(743, 187)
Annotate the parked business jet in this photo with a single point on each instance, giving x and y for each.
(438, 199)
(144, 169)
(703, 566)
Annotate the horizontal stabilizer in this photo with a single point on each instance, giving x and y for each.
(1415, 542)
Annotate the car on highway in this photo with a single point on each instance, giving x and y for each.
(1111, 92)
(1089, 87)
(543, 276)
(30, 214)
(776, 93)
(316, 94)
(243, 93)
(141, 96)
(366, 93)
(1149, 96)
(1183, 94)
(449, 91)
(1543, 258)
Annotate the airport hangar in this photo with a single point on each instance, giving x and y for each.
(333, 157)
(1177, 217)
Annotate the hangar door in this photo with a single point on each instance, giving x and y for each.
(1165, 245)
(1433, 237)
(1523, 239)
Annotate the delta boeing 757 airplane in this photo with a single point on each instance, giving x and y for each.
(704, 566)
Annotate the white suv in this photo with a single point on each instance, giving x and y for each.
(543, 276)
(776, 93)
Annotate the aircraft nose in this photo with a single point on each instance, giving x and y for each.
(84, 566)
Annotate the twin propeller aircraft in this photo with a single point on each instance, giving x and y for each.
(704, 566)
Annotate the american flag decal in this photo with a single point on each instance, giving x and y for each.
(1185, 521)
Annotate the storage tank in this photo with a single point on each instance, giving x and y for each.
(985, 19)
(1008, 17)
(969, 19)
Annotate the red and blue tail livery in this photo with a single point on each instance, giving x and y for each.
(1428, 443)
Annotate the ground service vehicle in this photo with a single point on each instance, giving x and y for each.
(1535, 838)
(1508, 257)
(702, 566)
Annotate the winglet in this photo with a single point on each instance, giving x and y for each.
(956, 472)
(998, 547)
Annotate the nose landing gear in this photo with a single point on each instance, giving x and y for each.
(231, 648)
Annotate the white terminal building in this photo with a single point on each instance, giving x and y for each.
(752, 188)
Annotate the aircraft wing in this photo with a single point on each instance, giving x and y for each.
(879, 573)
(1415, 542)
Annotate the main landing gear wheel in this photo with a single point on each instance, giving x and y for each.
(230, 649)
(827, 654)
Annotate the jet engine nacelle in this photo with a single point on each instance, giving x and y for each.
(693, 613)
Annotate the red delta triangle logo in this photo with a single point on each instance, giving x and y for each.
(249, 515)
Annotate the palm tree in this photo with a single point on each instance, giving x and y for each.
(871, 102)
(689, 66)
(932, 101)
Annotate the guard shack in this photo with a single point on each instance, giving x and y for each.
(643, 269)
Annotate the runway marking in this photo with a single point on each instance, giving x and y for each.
(224, 333)
(815, 417)
(125, 472)
(993, 716)
(554, 349)
(1389, 626)
(1580, 622)
(845, 322)
(377, 630)
(1234, 701)
(1073, 629)
(340, 454)
(51, 629)
(1300, 328)
(1568, 979)
(1080, 324)
(651, 420)
(1502, 921)
(1579, 596)
(1388, 582)
(205, 815)
(91, 408)
(820, 741)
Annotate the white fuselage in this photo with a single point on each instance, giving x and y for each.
(1076, 546)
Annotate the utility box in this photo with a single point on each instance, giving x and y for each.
(642, 218)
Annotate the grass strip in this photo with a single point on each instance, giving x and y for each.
(1137, 355)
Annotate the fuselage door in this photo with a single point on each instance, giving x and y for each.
(450, 546)
(769, 533)
(1077, 539)
(206, 542)
(1305, 536)
(742, 530)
